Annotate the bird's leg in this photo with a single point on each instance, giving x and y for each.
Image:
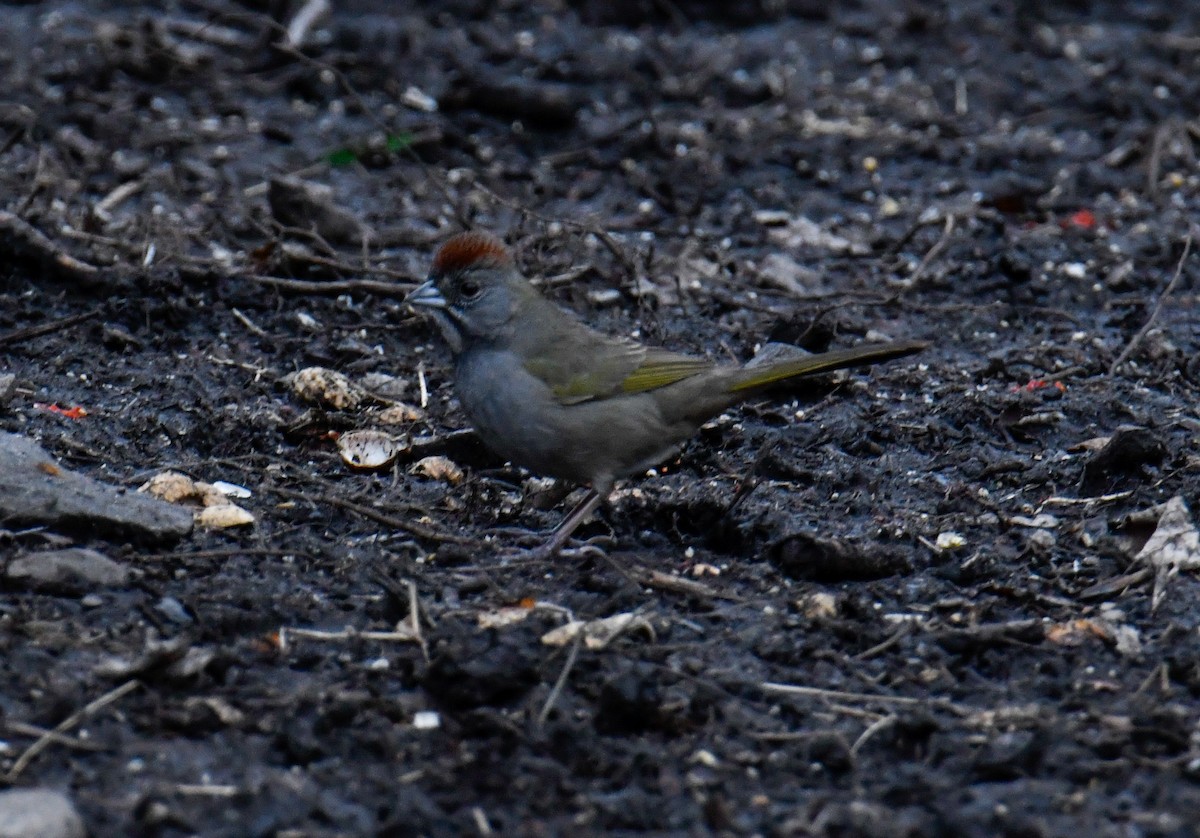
(553, 497)
(569, 524)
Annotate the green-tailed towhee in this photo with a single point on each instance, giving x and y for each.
(551, 394)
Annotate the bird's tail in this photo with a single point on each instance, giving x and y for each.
(753, 376)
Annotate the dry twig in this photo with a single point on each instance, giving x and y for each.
(1137, 339)
(405, 636)
(414, 618)
(932, 253)
(678, 585)
(334, 286)
(872, 729)
(304, 20)
(249, 324)
(904, 631)
(56, 738)
(49, 737)
(46, 328)
(557, 689)
(866, 698)
(23, 236)
(419, 530)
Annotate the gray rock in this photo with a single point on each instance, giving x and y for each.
(38, 813)
(7, 382)
(382, 384)
(173, 610)
(35, 490)
(75, 571)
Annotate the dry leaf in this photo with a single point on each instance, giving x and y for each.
(174, 487)
(597, 633)
(818, 605)
(502, 617)
(799, 233)
(326, 387)
(1013, 715)
(223, 516)
(1077, 632)
(1128, 640)
(170, 486)
(368, 449)
(787, 274)
(401, 414)
(1174, 546)
(210, 495)
(1044, 521)
(439, 468)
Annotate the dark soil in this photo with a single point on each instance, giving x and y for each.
(1012, 181)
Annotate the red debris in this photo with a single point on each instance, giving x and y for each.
(1037, 384)
(1084, 219)
(76, 412)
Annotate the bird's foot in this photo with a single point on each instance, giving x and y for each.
(554, 543)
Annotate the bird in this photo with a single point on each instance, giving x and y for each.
(547, 392)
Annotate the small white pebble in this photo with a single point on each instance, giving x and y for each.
(950, 541)
(418, 99)
(427, 720)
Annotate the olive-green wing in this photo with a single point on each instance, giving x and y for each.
(606, 367)
(660, 368)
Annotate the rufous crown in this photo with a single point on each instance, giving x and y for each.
(466, 250)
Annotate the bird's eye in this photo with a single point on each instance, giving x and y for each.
(469, 288)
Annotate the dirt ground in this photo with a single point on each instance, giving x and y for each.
(907, 601)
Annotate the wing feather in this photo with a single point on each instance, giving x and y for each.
(605, 367)
(660, 368)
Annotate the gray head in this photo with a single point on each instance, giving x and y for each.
(473, 290)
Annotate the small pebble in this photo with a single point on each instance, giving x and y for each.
(427, 720)
(38, 813)
(173, 610)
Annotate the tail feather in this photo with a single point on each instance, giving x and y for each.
(857, 356)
